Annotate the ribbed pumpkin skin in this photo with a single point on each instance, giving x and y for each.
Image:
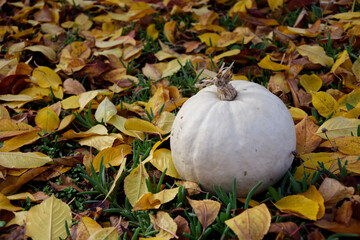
(250, 138)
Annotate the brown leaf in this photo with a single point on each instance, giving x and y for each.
(12, 184)
(182, 227)
(315, 235)
(306, 139)
(121, 225)
(73, 87)
(352, 227)
(344, 213)
(333, 192)
(205, 210)
(289, 229)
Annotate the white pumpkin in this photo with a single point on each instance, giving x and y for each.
(250, 138)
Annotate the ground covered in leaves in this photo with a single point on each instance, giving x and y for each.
(89, 91)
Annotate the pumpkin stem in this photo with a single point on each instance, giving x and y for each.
(226, 92)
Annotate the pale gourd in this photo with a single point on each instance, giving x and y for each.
(230, 130)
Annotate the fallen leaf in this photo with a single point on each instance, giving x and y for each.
(164, 223)
(105, 111)
(324, 103)
(46, 77)
(47, 119)
(135, 185)
(6, 205)
(316, 54)
(311, 83)
(23, 160)
(338, 127)
(306, 139)
(267, 63)
(154, 200)
(253, 223)
(205, 210)
(333, 191)
(299, 205)
(48, 219)
(113, 156)
(162, 160)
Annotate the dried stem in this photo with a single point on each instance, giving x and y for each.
(226, 92)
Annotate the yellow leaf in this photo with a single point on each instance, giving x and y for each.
(135, 185)
(324, 103)
(86, 227)
(266, 63)
(98, 142)
(349, 145)
(47, 119)
(46, 77)
(164, 121)
(338, 127)
(113, 156)
(226, 54)
(333, 192)
(105, 111)
(164, 224)
(153, 201)
(298, 205)
(47, 220)
(4, 114)
(86, 97)
(19, 219)
(18, 98)
(152, 32)
(23, 160)
(169, 31)
(356, 69)
(47, 51)
(162, 160)
(136, 124)
(311, 83)
(240, 7)
(316, 54)
(117, 177)
(205, 210)
(9, 128)
(173, 66)
(352, 98)
(65, 122)
(313, 194)
(156, 102)
(311, 163)
(340, 60)
(346, 15)
(275, 4)
(119, 123)
(95, 130)
(6, 205)
(19, 141)
(297, 113)
(210, 39)
(253, 223)
(22, 196)
(108, 233)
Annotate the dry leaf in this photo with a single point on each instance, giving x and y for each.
(253, 223)
(333, 191)
(47, 220)
(306, 139)
(165, 224)
(135, 185)
(205, 210)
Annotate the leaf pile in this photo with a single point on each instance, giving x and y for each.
(89, 91)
